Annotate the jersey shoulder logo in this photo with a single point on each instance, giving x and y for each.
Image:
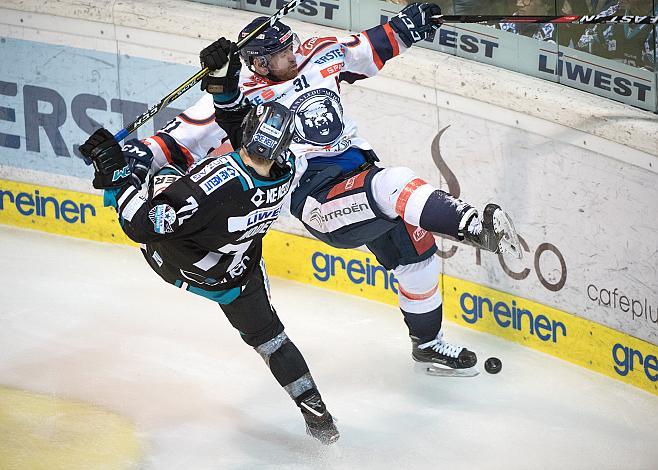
(318, 117)
(163, 217)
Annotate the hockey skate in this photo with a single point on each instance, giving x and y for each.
(494, 231)
(438, 357)
(319, 422)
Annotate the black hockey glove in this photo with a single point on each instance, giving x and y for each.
(110, 168)
(413, 23)
(139, 158)
(222, 59)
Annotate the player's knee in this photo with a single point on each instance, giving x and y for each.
(265, 336)
(394, 178)
(400, 192)
(387, 185)
(420, 276)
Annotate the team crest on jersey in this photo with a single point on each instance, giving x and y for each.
(163, 217)
(318, 117)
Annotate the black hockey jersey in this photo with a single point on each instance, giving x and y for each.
(206, 225)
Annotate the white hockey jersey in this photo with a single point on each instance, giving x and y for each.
(321, 125)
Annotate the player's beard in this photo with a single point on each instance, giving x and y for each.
(283, 75)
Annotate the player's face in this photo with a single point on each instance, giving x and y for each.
(283, 65)
(531, 7)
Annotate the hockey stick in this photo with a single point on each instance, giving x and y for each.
(194, 79)
(571, 19)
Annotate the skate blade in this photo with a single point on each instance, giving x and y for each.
(438, 370)
(510, 242)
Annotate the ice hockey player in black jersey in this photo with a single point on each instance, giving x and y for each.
(201, 229)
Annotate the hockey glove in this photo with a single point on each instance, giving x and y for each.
(224, 63)
(110, 168)
(139, 158)
(414, 22)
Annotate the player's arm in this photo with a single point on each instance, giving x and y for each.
(159, 216)
(367, 52)
(222, 83)
(184, 140)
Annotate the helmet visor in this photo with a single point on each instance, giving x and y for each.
(272, 133)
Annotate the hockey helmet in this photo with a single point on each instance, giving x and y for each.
(267, 131)
(274, 39)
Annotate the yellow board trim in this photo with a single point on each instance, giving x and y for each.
(584, 342)
(566, 336)
(59, 211)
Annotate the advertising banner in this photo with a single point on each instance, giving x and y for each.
(51, 103)
(334, 13)
(543, 59)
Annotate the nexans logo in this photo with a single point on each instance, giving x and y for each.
(628, 359)
(48, 207)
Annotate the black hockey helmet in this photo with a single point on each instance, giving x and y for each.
(274, 39)
(267, 131)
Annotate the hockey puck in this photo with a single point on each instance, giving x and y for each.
(493, 365)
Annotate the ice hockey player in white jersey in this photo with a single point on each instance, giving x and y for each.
(343, 197)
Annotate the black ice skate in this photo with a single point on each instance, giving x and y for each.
(438, 357)
(493, 231)
(319, 422)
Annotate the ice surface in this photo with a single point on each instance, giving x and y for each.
(91, 322)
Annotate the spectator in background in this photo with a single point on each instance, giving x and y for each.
(470, 7)
(481, 7)
(542, 32)
(569, 34)
(466, 7)
(630, 44)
